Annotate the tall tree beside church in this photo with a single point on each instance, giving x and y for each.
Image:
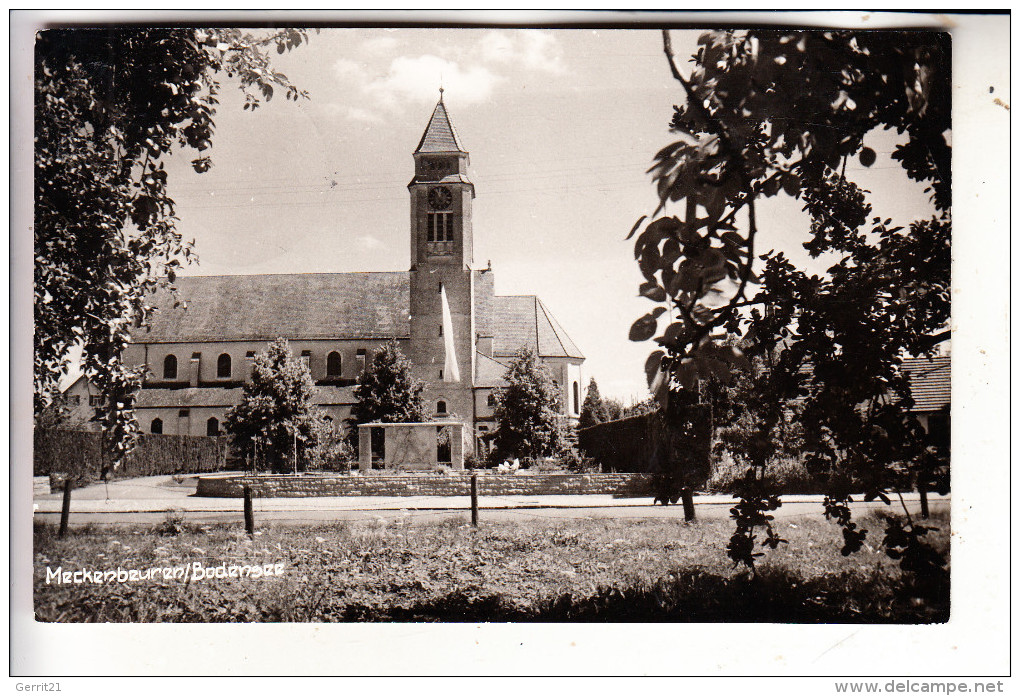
(275, 416)
(110, 106)
(771, 113)
(594, 409)
(526, 409)
(388, 392)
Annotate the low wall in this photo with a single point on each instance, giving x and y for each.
(620, 485)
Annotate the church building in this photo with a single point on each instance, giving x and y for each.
(443, 312)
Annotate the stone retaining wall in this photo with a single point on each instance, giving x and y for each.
(620, 485)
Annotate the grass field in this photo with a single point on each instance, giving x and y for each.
(540, 570)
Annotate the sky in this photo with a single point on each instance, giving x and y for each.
(561, 126)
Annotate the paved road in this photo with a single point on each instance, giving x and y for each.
(145, 502)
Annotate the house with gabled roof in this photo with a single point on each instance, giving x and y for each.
(930, 387)
(198, 346)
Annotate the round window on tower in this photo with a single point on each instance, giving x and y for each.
(440, 198)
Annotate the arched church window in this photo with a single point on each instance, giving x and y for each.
(577, 395)
(440, 408)
(170, 367)
(223, 366)
(334, 364)
(212, 427)
(156, 427)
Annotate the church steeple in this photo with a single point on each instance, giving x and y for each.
(441, 196)
(439, 135)
(442, 321)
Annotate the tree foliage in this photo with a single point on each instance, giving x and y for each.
(593, 411)
(649, 405)
(388, 392)
(598, 409)
(333, 450)
(613, 407)
(110, 106)
(275, 415)
(770, 113)
(751, 422)
(526, 409)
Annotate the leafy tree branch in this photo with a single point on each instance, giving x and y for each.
(781, 112)
(110, 106)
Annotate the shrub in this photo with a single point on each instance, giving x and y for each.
(546, 465)
(332, 451)
(173, 523)
(571, 460)
(787, 476)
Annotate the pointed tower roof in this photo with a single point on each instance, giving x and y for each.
(440, 136)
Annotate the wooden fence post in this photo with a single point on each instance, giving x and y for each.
(249, 514)
(474, 500)
(687, 496)
(65, 509)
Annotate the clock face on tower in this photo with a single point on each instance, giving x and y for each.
(440, 198)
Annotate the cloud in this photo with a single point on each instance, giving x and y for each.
(349, 70)
(530, 49)
(470, 73)
(418, 79)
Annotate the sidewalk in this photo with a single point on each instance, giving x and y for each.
(161, 494)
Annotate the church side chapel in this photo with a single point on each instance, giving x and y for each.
(444, 314)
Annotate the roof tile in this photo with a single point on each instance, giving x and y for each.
(337, 306)
(439, 135)
(296, 306)
(522, 320)
(930, 383)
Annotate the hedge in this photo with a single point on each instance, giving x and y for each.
(678, 446)
(80, 453)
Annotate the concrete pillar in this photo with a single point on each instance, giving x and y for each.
(364, 448)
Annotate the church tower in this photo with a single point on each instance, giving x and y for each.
(442, 338)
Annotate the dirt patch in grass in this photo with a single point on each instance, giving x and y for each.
(538, 570)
